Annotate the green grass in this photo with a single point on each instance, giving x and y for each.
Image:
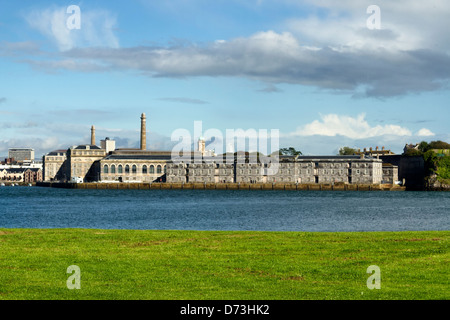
(196, 265)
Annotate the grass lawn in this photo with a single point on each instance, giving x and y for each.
(215, 265)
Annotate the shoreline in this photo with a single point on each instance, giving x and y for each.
(224, 186)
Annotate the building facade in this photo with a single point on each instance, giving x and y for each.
(32, 175)
(108, 164)
(84, 162)
(55, 166)
(390, 173)
(134, 166)
(299, 169)
(21, 154)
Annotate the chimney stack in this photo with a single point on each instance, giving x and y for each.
(143, 132)
(93, 135)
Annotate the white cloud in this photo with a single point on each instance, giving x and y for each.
(96, 29)
(347, 126)
(424, 132)
(332, 49)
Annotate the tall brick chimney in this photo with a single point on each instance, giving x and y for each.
(93, 135)
(143, 132)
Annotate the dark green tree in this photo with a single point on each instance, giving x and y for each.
(289, 152)
(347, 151)
(424, 146)
(439, 145)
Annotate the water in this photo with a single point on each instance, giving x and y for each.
(36, 207)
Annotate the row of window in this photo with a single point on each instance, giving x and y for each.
(126, 169)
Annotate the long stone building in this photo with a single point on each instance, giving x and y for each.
(105, 163)
(297, 169)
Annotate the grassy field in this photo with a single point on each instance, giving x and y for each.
(196, 265)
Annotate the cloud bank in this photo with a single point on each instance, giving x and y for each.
(333, 50)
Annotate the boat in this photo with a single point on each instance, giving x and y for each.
(2, 184)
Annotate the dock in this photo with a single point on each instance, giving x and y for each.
(224, 186)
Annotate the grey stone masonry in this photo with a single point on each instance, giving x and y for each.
(300, 169)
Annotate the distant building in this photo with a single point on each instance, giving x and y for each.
(134, 166)
(32, 175)
(22, 174)
(108, 144)
(3, 174)
(55, 166)
(15, 174)
(21, 154)
(291, 169)
(410, 146)
(107, 164)
(390, 173)
(375, 152)
(84, 162)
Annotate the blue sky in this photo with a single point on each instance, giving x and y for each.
(311, 69)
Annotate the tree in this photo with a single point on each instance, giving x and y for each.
(289, 152)
(439, 145)
(412, 153)
(347, 151)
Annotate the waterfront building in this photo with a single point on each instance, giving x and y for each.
(32, 175)
(108, 164)
(3, 174)
(14, 174)
(131, 165)
(390, 173)
(55, 166)
(83, 162)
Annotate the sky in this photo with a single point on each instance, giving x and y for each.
(323, 74)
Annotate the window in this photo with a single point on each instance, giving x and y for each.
(144, 169)
(105, 169)
(127, 169)
(134, 169)
(158, 169)
(120, 168)
(164, 169)
(113, 169)
(152, 169)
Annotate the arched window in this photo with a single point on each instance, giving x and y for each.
(144, 169)
(113, 169)
(127, 169)
(120, 168)
(152, 169)
(134, 169)
(105, 169)
(158, 169)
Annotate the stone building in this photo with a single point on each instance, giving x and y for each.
(207, 170)
(55, 166)
(108, 164)
(134, 166)
(390, 173)
(84, 162)
(291, 169)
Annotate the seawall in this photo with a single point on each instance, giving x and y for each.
(225, 186)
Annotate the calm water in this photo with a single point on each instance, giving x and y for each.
(36, 207)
